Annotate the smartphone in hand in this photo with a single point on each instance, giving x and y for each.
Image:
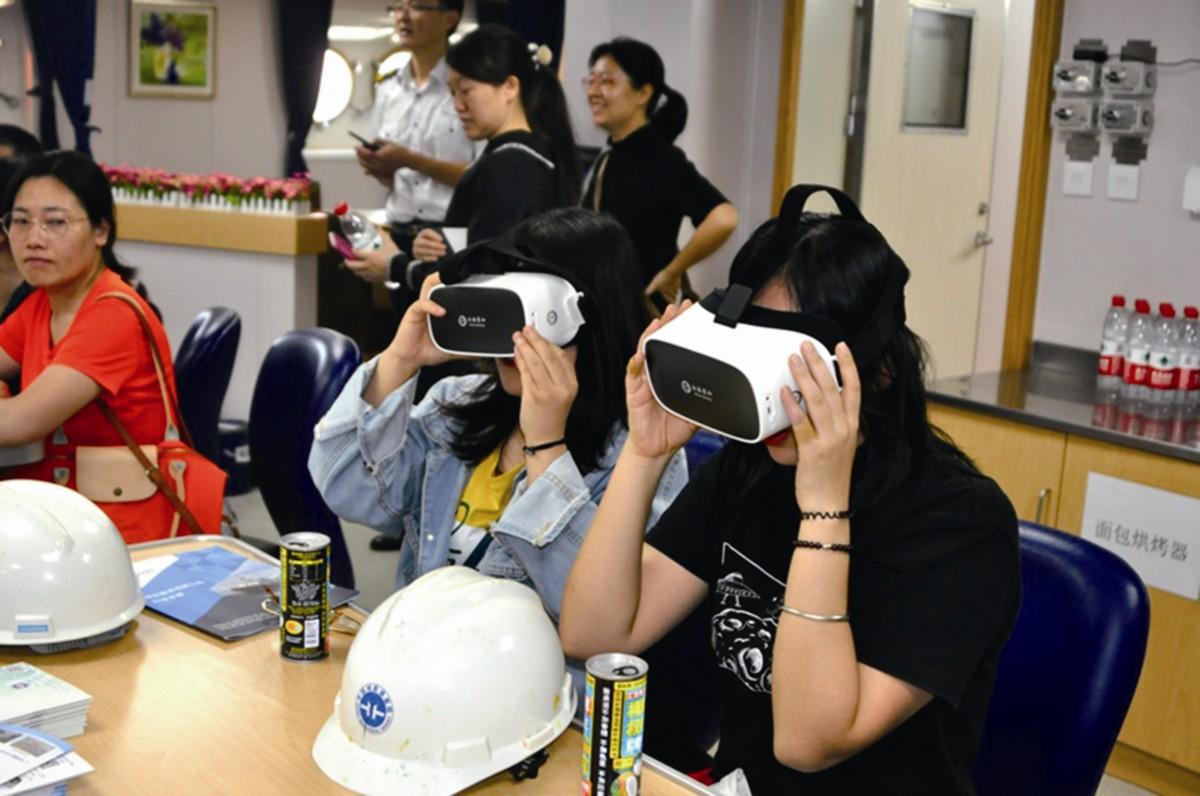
(371, 145)
(342, 246)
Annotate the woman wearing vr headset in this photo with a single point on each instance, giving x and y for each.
(500, 471)
(862, 574)
(505, 94)
(643, 179)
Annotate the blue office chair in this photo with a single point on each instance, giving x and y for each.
(301, 375)
(203, 366)
(702, 445)
(1067, 675)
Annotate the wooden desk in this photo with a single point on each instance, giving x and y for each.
(179, 712)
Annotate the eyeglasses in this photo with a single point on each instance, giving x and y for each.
(53, 227)
(605, 80)
(398, 8)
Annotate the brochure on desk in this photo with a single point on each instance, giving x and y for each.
(216, 590)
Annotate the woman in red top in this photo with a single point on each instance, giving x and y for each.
(69, 346)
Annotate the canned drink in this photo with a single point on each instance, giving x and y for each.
(614, 720)
(304, 596)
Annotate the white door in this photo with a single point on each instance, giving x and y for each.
(927, 160)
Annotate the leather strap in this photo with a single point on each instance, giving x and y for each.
(604, 156)
(176, 429)
(152, 472)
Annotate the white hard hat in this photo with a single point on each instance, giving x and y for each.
(66, 580)
(450, 680)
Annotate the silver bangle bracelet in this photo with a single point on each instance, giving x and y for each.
(787, 609)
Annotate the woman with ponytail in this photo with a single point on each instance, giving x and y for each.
(505, 94)
(71, 348)
(643, 179)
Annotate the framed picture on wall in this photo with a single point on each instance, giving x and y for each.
(172, 49)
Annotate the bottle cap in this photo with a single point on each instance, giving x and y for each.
(1118, 301)
(1166, 309)
(1142, 306)
(1191, 312)
(340, 209)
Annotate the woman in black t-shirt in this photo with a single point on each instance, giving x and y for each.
(643, 179)
(857, 653)
(504, 94)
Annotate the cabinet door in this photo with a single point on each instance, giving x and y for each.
(1025, 461)
(1164, 719)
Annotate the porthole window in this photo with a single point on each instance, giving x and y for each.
(337, 87)
(395, 61)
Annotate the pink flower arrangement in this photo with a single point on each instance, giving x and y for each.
(233, 189)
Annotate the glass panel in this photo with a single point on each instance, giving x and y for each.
(337, 86)
(938, 69)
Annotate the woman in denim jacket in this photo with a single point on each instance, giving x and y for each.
(454, 474)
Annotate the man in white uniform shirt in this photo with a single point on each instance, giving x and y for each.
(419, 149)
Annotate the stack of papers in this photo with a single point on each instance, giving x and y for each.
(217, 590)
(39, 700)
(36, 764)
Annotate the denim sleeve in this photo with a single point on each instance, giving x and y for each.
(545, 522)
(368, 462)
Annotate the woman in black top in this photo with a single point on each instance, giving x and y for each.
(504, 93)
(857, 642)
(643, 179)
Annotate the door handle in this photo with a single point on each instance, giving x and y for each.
(1043, 499)
(982, 238)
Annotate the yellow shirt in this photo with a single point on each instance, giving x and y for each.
(482, 502)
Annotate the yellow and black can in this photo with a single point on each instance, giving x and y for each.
(614, 720)
(304, 596)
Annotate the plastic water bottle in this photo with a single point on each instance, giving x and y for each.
(1137, 353)
(1188, 391)
(362, 234)
(1113, 340)
(1164, 356)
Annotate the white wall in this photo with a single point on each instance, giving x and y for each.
(1094, 247)
(724, 58)
(826, 67)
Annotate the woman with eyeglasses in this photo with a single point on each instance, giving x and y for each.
(71, 347)
(641, 178)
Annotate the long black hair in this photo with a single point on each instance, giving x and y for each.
(837, 268)
(667, 110)
(599, 256)
(492, 53)
(80, 175)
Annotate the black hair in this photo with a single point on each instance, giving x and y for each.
(667, 110)
(837, 268)
(24, 143)
(492, 53)
(80, 175)
(452, 5)
(599, 256)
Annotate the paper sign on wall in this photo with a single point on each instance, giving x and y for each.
(1157, 532)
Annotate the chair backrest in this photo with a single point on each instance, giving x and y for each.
(301, 375)
(203, 366)
(702, 445)
(1067, 675)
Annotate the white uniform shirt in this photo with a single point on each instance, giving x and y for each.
(422, 119)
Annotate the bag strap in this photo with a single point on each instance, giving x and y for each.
(176, 429)
(152, 471)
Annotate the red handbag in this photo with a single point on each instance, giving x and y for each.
(193, 486)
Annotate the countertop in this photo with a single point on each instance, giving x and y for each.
(1058, 391)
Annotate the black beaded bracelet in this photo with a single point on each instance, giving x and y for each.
(826, 515)
(836, 547)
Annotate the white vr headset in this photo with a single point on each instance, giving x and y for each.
(722, 363)
(493, 289)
